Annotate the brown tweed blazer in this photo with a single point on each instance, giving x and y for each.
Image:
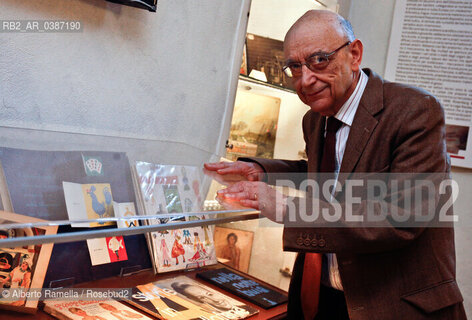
(403, 273)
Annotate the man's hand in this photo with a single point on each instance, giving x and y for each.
(250, 171)
(257, 195)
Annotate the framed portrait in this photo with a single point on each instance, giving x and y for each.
(233, 247)
(22, 267)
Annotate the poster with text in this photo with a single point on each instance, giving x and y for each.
(430, 47)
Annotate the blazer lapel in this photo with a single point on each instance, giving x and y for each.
(364, 122)
(361, 130)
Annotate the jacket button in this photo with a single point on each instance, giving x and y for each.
(306, 242)
(314, 243)
(321, 243)
(300, 241)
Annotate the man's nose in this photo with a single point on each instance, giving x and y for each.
(308, 77)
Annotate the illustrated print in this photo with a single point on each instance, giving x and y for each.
(115, 245)
(98, 202)
(97, 206)
(116, 248)
(93, 166)
(17, 265)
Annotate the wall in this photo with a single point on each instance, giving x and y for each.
(268, 20)
(371, 21)
(154, 77)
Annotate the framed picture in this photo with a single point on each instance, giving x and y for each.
(254, 126)
(233, 247)
(267, 55)
(22, 267)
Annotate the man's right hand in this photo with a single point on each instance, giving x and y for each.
(251, 171)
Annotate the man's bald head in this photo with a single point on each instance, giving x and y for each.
(323, 36)
(325, 18)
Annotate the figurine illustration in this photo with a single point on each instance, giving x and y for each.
(178, 250)
(165, 253)
(200, 252)
(187, 239)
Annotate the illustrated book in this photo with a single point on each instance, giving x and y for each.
(22, 268)
(169, 189)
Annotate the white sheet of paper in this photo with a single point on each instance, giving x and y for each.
(98, 251)
(75, 203)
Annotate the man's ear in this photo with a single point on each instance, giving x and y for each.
(356, 52)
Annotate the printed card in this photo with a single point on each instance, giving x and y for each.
(107, 250)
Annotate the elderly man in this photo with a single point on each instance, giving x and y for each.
(357, 123)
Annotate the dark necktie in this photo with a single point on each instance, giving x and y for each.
(310, 291)
(328, 161)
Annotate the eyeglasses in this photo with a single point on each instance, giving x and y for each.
(315, 62)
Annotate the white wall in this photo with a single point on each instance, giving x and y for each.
(130, 73)
(273, 21)
(371, 21)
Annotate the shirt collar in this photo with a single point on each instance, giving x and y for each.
(348, 110)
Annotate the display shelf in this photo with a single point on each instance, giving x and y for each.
(231, 216)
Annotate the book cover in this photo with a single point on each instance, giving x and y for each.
(243, 287)
(96, 310)
(174, 189)
(207, 298)
(22, 267)
(163, 303)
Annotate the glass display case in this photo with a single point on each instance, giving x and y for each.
(94, 211)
